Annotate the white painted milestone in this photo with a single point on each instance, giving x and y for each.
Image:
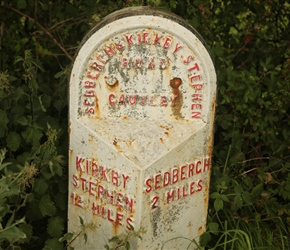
(142, 98)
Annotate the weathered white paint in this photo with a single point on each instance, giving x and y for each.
(142, 96)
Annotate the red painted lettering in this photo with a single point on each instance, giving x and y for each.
(177, 47)
(167, 43)
(163, 101)
(170, 196)
(96, 66)
(166, 179)
(125, 62)
(92, 189)
(89, 75)
(196, 97)
(101, 190)
(157, 181)
(196, 106)
(89, 84)
(119, 200)
(182, 172)
(132, 99)
(190, 170)
(110, 196)
(198, 170)
(152, 99)
(199, 186)
(151, 64)
(163, 64)
(206, 164)
(78, 164)
(77, 200)
(154, 202)
(138, 63)
(101, 59)
(75, 181)
(174, 175)
(157, 39)
(138, 39)
(89, 110)
(109, 51)
(115, 178)
(95, 169)
(119, 218)
(149, 185)
(84, 181)
(129, 204)
(119, 45)
(196, 67)
(109, 215)
(88, 103)
(196, 115)
(125, 179)
(89, 93)
(122, 99)
(112, 99)
(130, 225)
(194, 78)
(188, 60)
(184, 194)
(191, 188)
(129, 40)
(145, 38)
(104, 173)
(197, 87)
(143, 100)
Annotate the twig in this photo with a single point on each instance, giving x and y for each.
(42, 28)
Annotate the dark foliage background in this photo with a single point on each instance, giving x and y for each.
(250, 185)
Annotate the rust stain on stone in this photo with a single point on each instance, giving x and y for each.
(177, 97)
(200, 230)
(69, 128)
(111, 83)
(115, 143)
(210, 139)
(97, 108)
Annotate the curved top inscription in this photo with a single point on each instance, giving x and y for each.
(142, 67)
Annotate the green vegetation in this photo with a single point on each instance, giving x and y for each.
(250, 185)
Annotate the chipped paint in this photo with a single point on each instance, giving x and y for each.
(142, 97)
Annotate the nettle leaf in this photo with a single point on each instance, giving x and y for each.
(46, 206)
(3, 122)
(13, 141)
(22, 121)
(66, 237)
(27, 229)
(238, 200)
(32, 134)
(218, 204)
(215, 195)
(53, 244)
(40, 186)
(256, 191)
(213, 227)
(81, 220)
(61, 201)
(12, 234)
(55, 226)
(204, 239)
(55, 168)
(21, 4)
(173, 3)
